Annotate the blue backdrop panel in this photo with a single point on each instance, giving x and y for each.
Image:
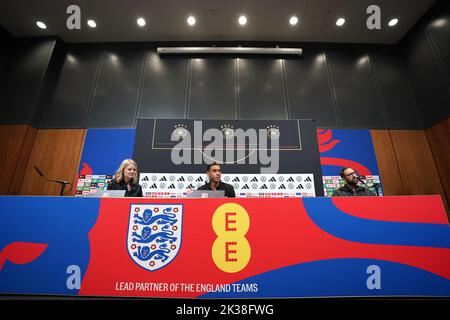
(104, 149)
(345, 144)
(60, 226)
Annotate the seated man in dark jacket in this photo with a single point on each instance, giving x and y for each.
(214, 172)
(351, 187)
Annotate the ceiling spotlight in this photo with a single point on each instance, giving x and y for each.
(227, 131)
(180, 131)
(293, 20)
(439, 23)
(41, 25)
(340, 22)
(71, 58)
(91, 23)
(273, 132)
(141, 22)
(191, 20)
(242, 20)
(393, 22)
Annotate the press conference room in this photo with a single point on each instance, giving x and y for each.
(208, 150)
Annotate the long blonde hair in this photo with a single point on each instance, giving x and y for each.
(118, 176)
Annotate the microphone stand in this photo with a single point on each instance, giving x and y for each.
(361, 180)
(61, 182)
(374, 185)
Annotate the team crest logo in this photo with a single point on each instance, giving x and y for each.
(154, 234)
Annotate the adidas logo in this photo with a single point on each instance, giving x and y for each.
(245, 187)
(264, 186)
(300, 186)
(191, 186)
(172, 186)
(273, 179)
(236, 179)
(163, 178)
(290, 179)
(199, 179)
(282, 187)
(254, 180)
(181, 179)
(153, 186)
(145, 179)
(308, 179)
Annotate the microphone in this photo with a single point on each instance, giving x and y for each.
(376, 186)
(62, 182)
(360, 180)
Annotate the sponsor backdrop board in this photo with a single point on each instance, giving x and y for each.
(331, 183)
(173, 185)
(225, 248)
(296, 152)
(150, 145)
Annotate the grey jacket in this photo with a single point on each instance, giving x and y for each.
(346, 191)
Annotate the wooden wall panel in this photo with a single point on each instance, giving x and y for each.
(56, 152)
(19, 173)
(416, 163)
(387, 163)
(439, 140)
(12, 138)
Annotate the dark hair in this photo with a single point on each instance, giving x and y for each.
(210, 165)
(341, 173)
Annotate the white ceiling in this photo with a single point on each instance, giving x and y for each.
(216, 20)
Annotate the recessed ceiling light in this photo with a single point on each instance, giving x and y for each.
(41, 25)
(242, 20)
(439, 23)
(91, 23)
(191, 20)
(393, 22)
(141, 22)
(71, 58)
(340, 22)
(293, 20)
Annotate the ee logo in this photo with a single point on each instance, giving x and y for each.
(231, 250)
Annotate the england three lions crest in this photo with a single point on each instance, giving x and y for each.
(154, 234)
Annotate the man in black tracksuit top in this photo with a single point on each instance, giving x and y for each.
(351, 187)
(214, 172)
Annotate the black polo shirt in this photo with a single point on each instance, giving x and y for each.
(229, 190)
